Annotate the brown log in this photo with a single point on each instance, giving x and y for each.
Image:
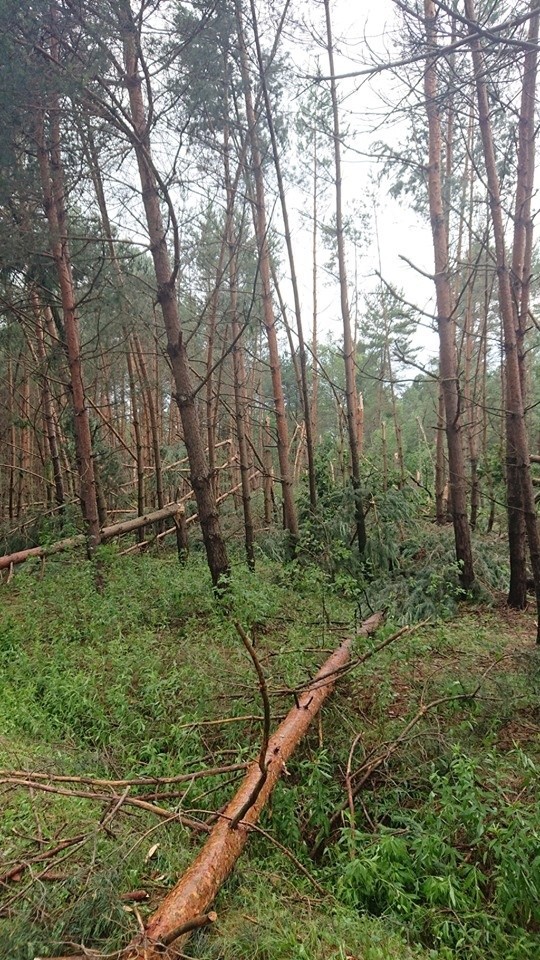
(195, 891)
(20, 556)
(192, 519)
(107, 533)
(128, 526)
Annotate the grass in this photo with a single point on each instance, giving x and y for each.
(117, 675)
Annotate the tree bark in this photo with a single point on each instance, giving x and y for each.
(520, 490)
(348, 344)
(288, 242)
(52, 183)
(261, 232)
(445, 309)
(152, 418)
(95, 173)
(48, 410)
(239, 371)
(136, 426)
(167, 297)
(196, 890)
(520, 280)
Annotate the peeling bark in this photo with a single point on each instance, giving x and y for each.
(198, 887)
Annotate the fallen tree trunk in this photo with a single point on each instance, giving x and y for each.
(196, 890)
(128, 526)
(107, 533)
(136, 547)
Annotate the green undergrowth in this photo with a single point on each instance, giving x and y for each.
(130, 667)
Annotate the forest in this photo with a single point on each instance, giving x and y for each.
(269, 475)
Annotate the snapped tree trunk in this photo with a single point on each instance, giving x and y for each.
(107, 533)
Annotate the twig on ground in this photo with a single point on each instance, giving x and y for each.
(348, 668)
(128, 801)
(19, 868)
(285, 850)
(135, 782)
(354, 785)
(263, 765)
(348, 778)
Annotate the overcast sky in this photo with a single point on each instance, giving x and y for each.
(364, 32)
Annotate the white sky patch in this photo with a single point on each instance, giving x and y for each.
(370, 110)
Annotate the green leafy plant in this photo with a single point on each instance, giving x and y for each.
(461, 866)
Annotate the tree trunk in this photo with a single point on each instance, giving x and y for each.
(210, 402)
(519, 481)
(260, 224)
(95, 172)
(197, 889)
(24, 489)
(136, 427)
(167, 297)
(48, 411)
(152, 418)
(12, 441)
(445, 309)
(52, 183)
(239, 372)
(348, 345)
(107, 533)
(314, 271)
(520, 280)
(290, 254)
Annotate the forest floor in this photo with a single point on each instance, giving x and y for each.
(139, 672)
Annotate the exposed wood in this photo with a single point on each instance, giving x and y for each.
(196, 890)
